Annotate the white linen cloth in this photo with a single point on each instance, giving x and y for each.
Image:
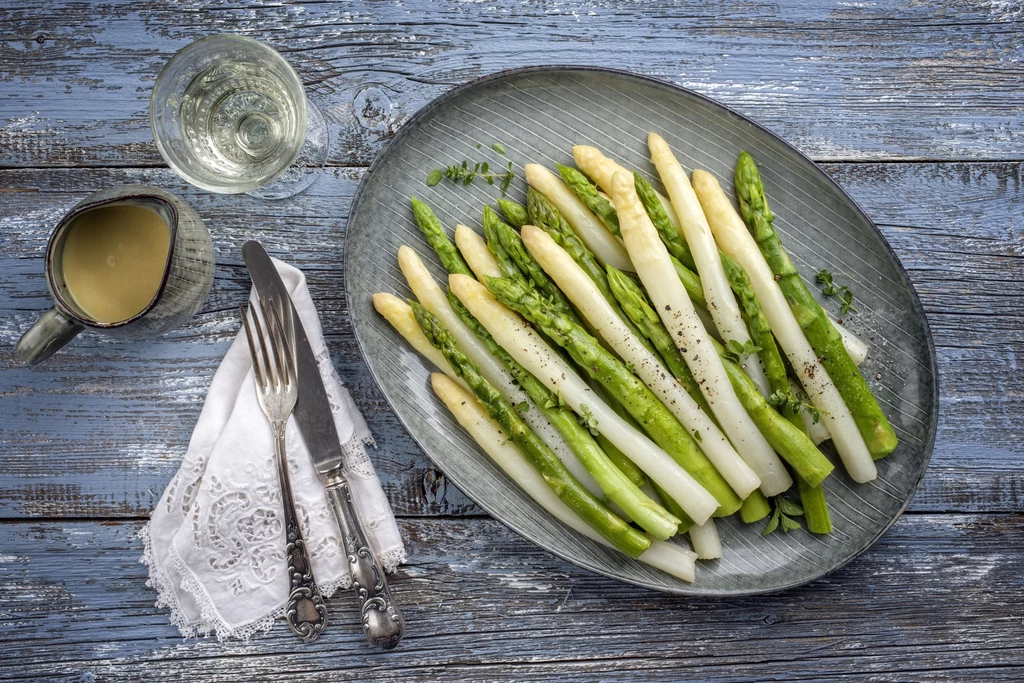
(215, 541)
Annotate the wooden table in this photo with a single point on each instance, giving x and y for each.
(915, 108)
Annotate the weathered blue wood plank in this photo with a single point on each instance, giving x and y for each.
(99, 429)
(937, 599)
(887, 80)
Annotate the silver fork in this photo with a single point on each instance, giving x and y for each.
(274, 368)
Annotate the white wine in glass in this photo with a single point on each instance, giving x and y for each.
(229, 115)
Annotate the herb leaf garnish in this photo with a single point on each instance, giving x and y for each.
(466, 173)
(739, 352)
(845, 295)
(588, 419)
(787, 405)
(783, 516)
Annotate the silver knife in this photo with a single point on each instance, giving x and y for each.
(382, 620)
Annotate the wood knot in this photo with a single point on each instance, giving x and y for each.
(373, 110)
(435, 486)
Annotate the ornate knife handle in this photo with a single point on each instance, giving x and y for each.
(382, 620)
(305, 611)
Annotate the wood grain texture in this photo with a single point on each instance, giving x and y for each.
(931, 80)
(118, 415)
(98, 430)
(481, 605)
(478, 598)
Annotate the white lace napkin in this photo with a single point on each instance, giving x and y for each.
(215, 542)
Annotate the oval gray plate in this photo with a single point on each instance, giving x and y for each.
(538, 114)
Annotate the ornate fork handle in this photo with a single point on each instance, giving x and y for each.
(382, 620)
(305, 611)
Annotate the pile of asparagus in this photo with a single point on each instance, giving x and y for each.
(642, 364)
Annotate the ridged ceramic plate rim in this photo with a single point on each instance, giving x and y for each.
(536, 525)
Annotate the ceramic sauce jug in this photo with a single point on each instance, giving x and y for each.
(128, 262)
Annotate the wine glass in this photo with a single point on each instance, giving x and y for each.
(229, 115)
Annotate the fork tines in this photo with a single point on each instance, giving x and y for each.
(278, 366)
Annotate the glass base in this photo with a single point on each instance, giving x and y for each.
(306, 168)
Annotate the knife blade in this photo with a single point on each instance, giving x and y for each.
(313, 408)
(382, 620)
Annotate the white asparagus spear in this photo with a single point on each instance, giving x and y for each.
(725, 312)
(429, 293)
(736, 240)
(815, 428)
(527, 347)
(606, 247)
(706, 541)
(668, 557)
(601, 169)
(676, 310)
(474, 249)
(587, 299)
(401, 317)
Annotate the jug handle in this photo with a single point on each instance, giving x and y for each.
(49, 333)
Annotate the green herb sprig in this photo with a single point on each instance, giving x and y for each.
(556, 401)
(791, 406)
(845, 295)
(587, 419)
(465, 173)
(740, 352)
(783, 516)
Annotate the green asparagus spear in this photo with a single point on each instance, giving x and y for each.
(499, 232)
(790, 442)
(618, 486)
(675, 508)
(650, 326)
(603, 520)
(757, 325)
(438, 238)
(812, 498)
(691, 282)
(659, 423)
(514, 212)
(505, 262)
(591, 197)
(674, 242)
(545, 216)
(823, 337)
(621, 461)
(755, 508)
(509, 265)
